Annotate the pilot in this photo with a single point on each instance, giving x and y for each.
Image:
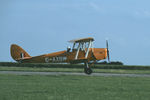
(68, 49)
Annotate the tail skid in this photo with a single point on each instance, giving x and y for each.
(18, 53)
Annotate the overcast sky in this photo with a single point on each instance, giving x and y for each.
(45, 26)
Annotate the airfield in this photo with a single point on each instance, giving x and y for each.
(69, 82)
(73, 74)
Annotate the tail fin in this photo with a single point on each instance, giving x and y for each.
(17, 52)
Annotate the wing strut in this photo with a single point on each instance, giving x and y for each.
(87, 52)
(77, 53)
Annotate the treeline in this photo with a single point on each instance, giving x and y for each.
(110, 63)
(99, 65)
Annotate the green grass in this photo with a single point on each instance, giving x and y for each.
(36, 87)
(8, 66)
(35, 69)
(49, 65)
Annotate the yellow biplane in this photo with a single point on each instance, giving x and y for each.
(81, 52)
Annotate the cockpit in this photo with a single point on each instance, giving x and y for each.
(82, 45)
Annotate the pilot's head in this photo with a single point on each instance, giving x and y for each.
(68, 49)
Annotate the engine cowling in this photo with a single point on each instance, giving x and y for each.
(100, 53)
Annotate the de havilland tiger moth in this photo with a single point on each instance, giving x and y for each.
(82, 51)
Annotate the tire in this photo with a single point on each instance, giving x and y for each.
(88, 71)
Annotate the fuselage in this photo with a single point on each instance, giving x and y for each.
(67, 57)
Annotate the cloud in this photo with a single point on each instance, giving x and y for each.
(94, 5)
(146, 13)
(142, 13)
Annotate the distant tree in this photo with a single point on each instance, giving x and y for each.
(111, 63)
(116, 63)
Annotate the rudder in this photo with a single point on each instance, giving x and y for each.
(17, 52)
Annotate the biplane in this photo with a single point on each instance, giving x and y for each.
(82, 51)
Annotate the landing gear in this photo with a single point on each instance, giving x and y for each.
(87, 69)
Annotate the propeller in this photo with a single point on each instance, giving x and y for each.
(108, 57)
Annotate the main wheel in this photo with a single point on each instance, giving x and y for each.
(88, 70)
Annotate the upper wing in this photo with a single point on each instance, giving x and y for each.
(82, 40)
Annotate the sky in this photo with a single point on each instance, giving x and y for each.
(46, 26)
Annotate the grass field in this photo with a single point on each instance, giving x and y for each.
(49, 65)
(31, 87)
(61, 87)
(35, 69)
(8, 66)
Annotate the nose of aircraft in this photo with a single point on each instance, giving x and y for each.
(100, 53)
